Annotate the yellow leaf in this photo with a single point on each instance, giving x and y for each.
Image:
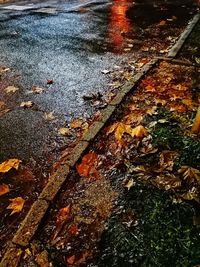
(27, 104)
(11, 89)
(77, 123)
(9, 164)
(4, 188)
(16, 204)
(63, 131)
(139, 131)
(130, 184)
(119, 129)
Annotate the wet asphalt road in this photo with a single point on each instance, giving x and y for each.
(68, 42)
(67, 47)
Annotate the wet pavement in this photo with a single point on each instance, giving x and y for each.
(69, 44)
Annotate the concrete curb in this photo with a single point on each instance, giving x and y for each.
(34, 217)
(178, 45)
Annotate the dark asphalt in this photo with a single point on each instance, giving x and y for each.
(70, 45)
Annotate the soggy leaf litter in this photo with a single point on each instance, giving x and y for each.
(134, 199)
(119, 76)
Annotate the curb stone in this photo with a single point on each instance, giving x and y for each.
(35, 215)
(30, 224)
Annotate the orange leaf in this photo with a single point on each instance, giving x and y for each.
(71, 260)
(87, 167)
(63, 214)
(162, 23)
(73, 229)
(139, 131)
(4, 188)
(16, 204)
(119, 129)
(77, 123)
(9, 164)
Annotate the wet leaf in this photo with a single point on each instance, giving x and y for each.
(4, 188)
(3, 70)
(191, 194)
(63, 131)
(197, 60)
(71, 259)
(139, 132)
(130, 184)
(63, 215)
(9, 164)
(167, 158)
(105, 71)
(162, 23)
(77, 123)
(27, 104)
(16, 204)
(11, 89)
(119, 129)
(50, 82)
(168, 181)
(49, 116)
(190, 174)
(73, 229)
(37, 89)
(87, 167)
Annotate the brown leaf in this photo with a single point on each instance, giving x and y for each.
(77, 123)
(50, 81)
(63, 214)
(71, 259)
(139, 132)
(9, 164)
(37, 89)
(167, 158)
(4, 188)
(119, 129)
(129, 184)
(87, 167)
(162, 23)
(16, 204)
(49, 116)
(73, 229)
(167, 182)
(190, 174)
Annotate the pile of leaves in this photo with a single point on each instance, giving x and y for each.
(145, 167)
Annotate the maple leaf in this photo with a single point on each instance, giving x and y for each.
(4, 188)
(37, 89)
(191, 194)
(11, 89)
(190, 174)
(139, 132)
(119, 129)
(9, 164)
(87, 167)
(63, 131)
(16, 204)
(27, 104)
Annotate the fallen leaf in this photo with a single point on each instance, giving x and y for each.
(105, 71)
(27, 104)
(162, 23)
(119, 129)
(3, 70)
(11, 89)
(50, 82)
(9, 164)
(49, 116)
(130, 184)
(191, 194)
(87, 167)
(4, 188)
(167, 159)
(190, 174)
(139, 132)
(168, 181)
(73, 229)
(37, 89)
(71, 259)
(77, 123)
(63, 131)
(63, 214)
(197, 59)
(16, 204)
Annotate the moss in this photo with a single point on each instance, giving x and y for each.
(164, 235)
